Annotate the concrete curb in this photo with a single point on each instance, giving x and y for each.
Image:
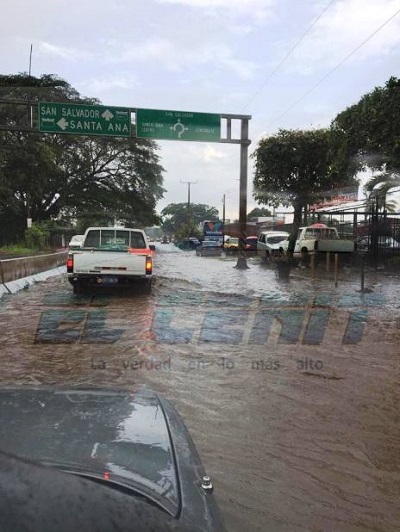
(25, 282)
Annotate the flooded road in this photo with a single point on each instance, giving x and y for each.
(289, 389)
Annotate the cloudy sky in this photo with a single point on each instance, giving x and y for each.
(287, 63)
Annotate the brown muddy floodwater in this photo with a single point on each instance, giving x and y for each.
(290, 390)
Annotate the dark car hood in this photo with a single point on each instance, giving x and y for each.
(99, 433)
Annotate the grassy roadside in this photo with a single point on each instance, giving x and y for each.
(11, 252)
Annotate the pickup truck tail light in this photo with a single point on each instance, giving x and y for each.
(70, 264)
(149, 265)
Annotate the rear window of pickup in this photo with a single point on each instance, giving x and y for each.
(114, 240)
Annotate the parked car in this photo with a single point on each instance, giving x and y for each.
(268, 243)
(76, 242)
(188, 243)
(231, 245)
(250, 243)
(99, 459)
(209, 248)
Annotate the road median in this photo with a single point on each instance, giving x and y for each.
(18, 272)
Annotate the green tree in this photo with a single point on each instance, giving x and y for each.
(175, 216)
(54, 176)
(367, 134)
(292, 168)
(258, 212)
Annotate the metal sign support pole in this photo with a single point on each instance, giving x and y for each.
(244, 155)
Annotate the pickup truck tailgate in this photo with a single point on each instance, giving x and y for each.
(105, 262)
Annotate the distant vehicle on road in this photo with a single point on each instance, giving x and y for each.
(188, 243)
(76, 241)
(164, 240)
(152, 244)
(268, 243)
(250, 244)
(209, 248)
(231, 245)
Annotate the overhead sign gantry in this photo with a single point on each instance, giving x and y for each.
(83, 119)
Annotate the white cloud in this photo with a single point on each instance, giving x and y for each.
(69, 54)
(173, 58)
(241, 29)
(105, 84)
(233, 5)
(158, 50)
(211, 154)
(342, 29)
(256, 10)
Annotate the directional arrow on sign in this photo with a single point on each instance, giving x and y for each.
(62, 123)
(107, 115)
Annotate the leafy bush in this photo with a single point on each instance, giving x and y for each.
(36, 236)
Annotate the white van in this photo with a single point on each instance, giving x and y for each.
(269, 241)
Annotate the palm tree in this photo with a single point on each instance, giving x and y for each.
(378, 188)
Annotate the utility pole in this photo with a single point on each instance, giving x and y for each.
(223, 221)
(30, 73)
(188, 183)
(30, 60)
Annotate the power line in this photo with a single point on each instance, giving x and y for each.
(289, 53)
(336, 67)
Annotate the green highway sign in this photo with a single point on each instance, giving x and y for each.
(79, 119)
(177, 125)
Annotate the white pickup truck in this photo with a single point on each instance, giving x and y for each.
(318, 238)
(112, 257)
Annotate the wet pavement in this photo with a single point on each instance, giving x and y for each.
(289, 389)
